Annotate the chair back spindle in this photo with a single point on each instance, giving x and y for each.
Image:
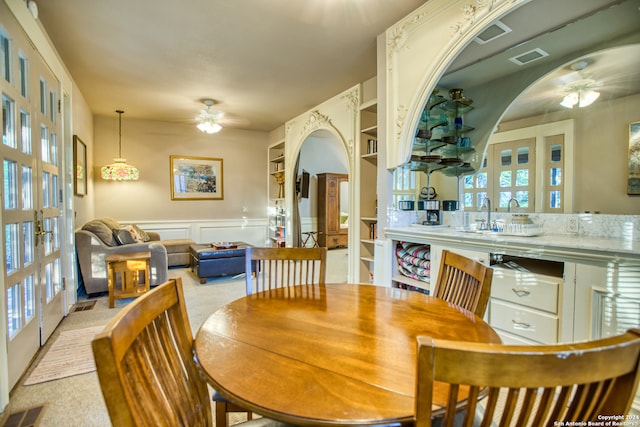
(464, 282)
(270, 268)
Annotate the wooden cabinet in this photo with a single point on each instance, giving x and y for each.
(332, 222)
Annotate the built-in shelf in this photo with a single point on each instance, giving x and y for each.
(277, 231)
(368, 195)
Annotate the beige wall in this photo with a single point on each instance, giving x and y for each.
(148, 145)
(601, 153)
(82, 124)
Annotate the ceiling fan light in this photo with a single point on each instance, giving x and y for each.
(209, 126)
(570, 100)
(209, 120)
(588, 97)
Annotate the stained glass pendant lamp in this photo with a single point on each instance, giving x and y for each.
(119, 170)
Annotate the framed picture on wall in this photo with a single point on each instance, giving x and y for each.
(633, 180)
(196, 178)
(80, 163)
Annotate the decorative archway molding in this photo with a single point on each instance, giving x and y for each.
(339, 116)
(418, 50)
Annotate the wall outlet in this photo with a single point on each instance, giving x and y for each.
(573, 224)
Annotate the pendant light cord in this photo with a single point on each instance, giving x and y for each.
(120, 112)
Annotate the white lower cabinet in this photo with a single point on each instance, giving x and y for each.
(524, 307)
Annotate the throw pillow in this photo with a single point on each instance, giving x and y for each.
(101, 231)
(133, 232)
(141, 233)
(123, 236)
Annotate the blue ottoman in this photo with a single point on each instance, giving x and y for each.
(210, 261)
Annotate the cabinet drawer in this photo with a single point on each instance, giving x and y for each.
(530, 290)
(524, 322)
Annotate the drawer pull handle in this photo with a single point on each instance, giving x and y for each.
(520, 292)
(520, 325)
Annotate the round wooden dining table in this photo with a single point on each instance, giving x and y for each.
(335, 354)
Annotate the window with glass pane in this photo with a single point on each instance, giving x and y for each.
(57, 282)
(505, 158)
(523, 198)
(556, 153)
(14, 310)
(5, 45)
(503, 199)
(554, 166)
(12, 247)
(8, 122)
(522, 177)
(555, 200)
(46, 189)
(43, 97)
(48, 278)
(23, 69)
(44, 144)
(555, 176)
(25, 132)
(48, 241)
(54, 191)
(55, 233)
(404, 184)
(467, 181)
(28, 251)
(523, 155)
(48, 246)
(29, 299)
(468, 200)
(53, 143)
(52, 106)
(505, 179)
(480, 198)
(10, 184)
(27, 188)
(481, 180)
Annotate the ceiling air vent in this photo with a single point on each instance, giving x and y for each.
(495, 30)
(530, 56)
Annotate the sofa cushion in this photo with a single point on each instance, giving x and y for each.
(102, 231)
(123, 236)
(111, 223)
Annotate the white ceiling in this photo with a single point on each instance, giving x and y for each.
(263, 61)
(267, 61)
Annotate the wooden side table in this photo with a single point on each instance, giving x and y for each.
(128, 267)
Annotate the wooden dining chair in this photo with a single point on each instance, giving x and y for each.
(146, 366)
(463, 282)
(527, 385)
(281, 267)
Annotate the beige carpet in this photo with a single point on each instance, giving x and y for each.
(69, 355)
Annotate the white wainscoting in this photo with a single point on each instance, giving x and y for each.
(252, 231)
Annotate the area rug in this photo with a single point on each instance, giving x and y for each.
(69, 355)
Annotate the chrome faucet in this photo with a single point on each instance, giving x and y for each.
(513, 199)
(486, 203)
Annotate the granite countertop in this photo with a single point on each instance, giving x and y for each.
(570, 247)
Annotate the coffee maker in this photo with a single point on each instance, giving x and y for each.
(432, 212)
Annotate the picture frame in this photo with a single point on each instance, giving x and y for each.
(196, 178)
(80, 167)
(633, 176)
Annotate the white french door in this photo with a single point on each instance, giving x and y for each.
(31, 153)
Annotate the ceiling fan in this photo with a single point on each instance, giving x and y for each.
(580, 92)
(209, 121)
